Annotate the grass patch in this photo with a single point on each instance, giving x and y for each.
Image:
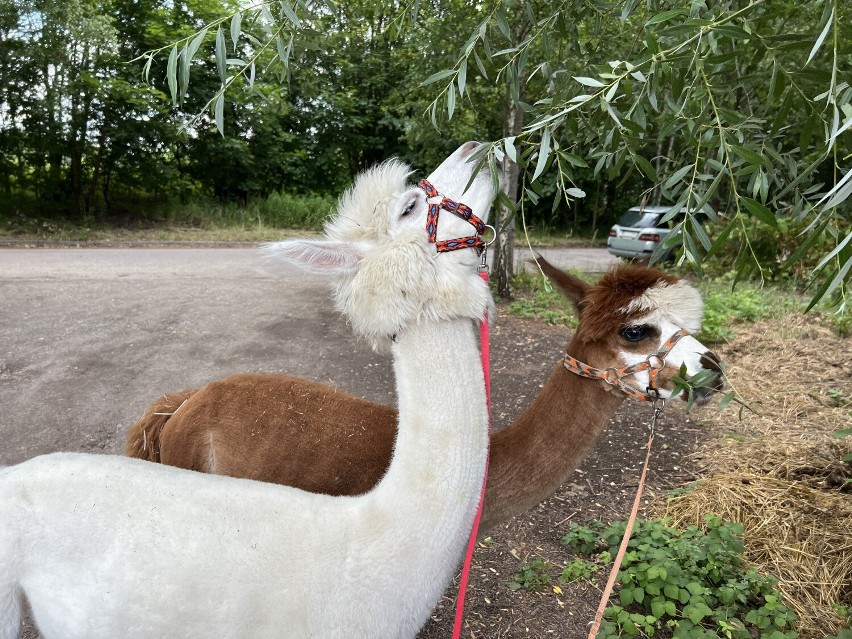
(201, 220)
(725, 307)
(549, 237)
(535, 297)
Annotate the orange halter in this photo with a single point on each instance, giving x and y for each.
(457, 208)
(615, 376)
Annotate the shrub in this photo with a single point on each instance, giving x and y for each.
(687, 584)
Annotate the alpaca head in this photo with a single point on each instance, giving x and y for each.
(628, 316)
(388, 274)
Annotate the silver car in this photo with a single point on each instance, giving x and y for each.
(638, 232)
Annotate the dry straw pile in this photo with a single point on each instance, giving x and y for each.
(779, 472)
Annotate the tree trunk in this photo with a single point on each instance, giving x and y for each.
(505, 219)
(96, 171)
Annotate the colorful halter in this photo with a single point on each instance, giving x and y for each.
(457, 208)
(615, 376)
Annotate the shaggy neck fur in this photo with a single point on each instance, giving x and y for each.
(534, 456)
(441, 394)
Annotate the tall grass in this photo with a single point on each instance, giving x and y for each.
(199, 218)
(278, 210)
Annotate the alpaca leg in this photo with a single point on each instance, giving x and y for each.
(10, 611)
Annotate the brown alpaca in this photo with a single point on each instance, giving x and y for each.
(276, 428)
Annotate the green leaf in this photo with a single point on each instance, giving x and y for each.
(836, 250)
(462, 77)
(446, 73)
(291, 15)
(219, 114)
(760, 211)
(196, 43)
(665, 16)
(509, 145)
(236, 28)
(748, 155)
(701, 234)
(696, 612)
(727, 399)
(839, 193)
(840, 276)
(646, 167)
(147, 69)
(183, 75)
(502, 24)
(480, 65)
(221, 55)
(677, 176)
(589, 82)
(451, 101)
(283, 52)
(171, 74)
(610, 94)
(805, 246)
(821, 37)
(543, 153)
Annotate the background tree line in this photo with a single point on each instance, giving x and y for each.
(738, 110)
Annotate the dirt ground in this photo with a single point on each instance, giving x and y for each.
(795, 372)
(523, 352)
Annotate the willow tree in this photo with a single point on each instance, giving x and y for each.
(734, 112)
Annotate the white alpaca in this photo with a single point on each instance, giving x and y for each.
(107, 547)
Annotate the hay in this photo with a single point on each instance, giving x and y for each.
(795, 533)
(779, 472)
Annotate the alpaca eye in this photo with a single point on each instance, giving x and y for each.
(634, 333)
(408, 209)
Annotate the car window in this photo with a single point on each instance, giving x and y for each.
(640, 219)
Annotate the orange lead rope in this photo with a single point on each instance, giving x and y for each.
(596, 623)
(471, 544)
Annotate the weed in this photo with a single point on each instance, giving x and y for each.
(535, 297)
(576, 570)
(686, 584)
(533, 576)
(845, 432)
(723, 306)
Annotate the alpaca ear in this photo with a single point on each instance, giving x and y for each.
(318, 256)
(571, 287)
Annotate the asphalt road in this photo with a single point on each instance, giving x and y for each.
(90, 337)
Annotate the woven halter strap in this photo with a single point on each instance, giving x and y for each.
(457, 208)
(615, 376)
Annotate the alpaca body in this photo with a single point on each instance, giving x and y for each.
(275, 427)
(219, 559)
(107, 547)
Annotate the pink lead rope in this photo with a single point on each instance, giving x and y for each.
(471, 544)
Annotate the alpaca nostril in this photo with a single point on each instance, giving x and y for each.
(711, 361)
(468, 148)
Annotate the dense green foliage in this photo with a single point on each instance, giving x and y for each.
(736, 113)
(86, 134)
(686, 584)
